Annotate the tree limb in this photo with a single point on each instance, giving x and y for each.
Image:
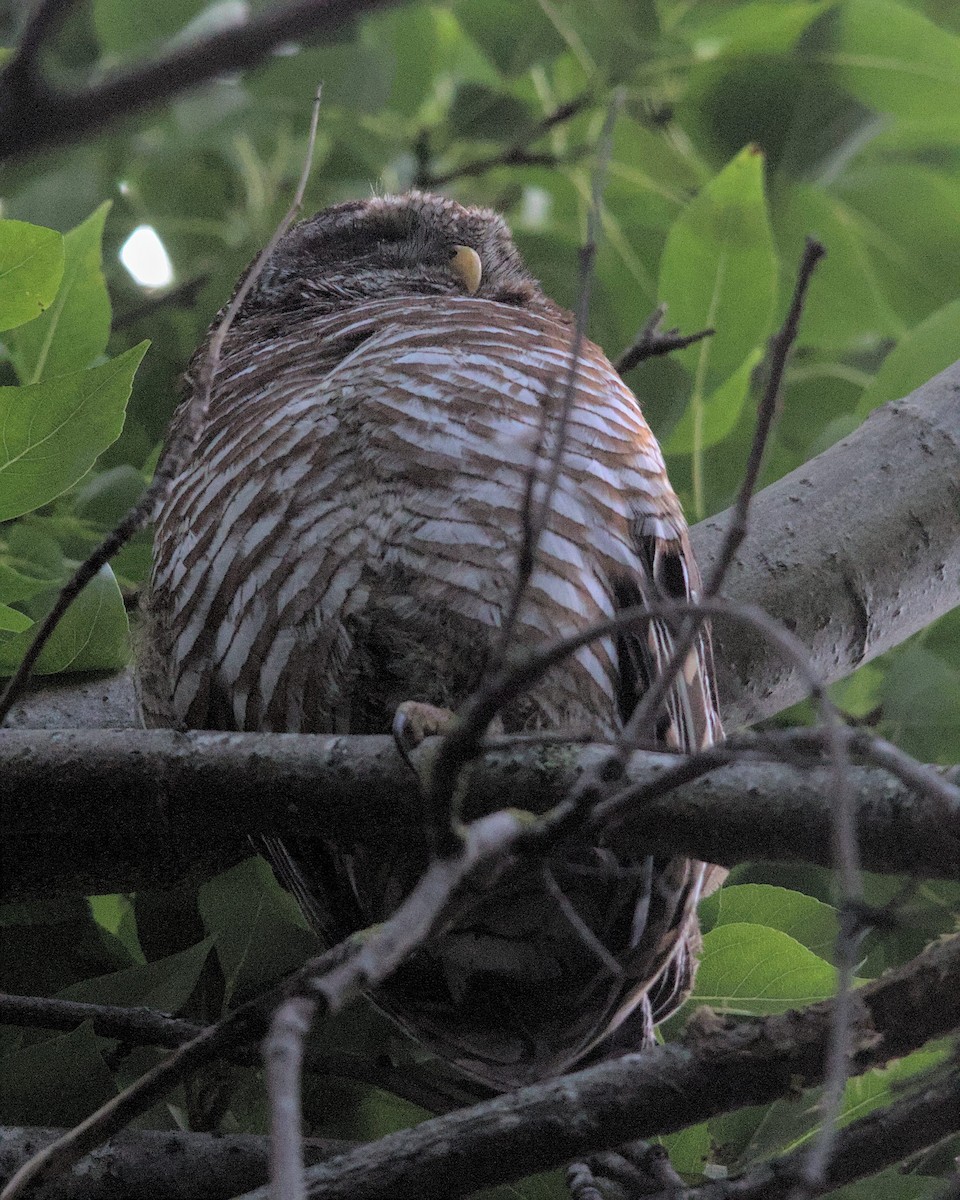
(93, 811)
(150, 1165)
(720, 1065)
(35, 115)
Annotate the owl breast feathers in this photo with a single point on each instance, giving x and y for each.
(346, 538)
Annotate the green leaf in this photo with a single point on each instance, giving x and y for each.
(750, 969)
(31, 266)
(719, 269)
(720, 414)
(896, 59)
(115, 915)
(122, 26)
(479, 111)
(261, 934)
(809, 921)
(93, 635)
(514, 37)
(926, 350)
(57, 1081)
(757, 28)
(12, 621)
(165, 985)
(75, 328)
(54, 430)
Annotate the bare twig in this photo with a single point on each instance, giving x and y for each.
(177, 451)
(653, 341)
(518, 154)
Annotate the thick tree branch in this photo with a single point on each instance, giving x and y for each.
(721, 1065)
(103, 811)
(35, 115)
(149, 1165)
(853, 552)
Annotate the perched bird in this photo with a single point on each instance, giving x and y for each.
(345, 540)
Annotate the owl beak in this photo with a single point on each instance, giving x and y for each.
(467, 266)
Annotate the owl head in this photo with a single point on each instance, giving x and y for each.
(414, 244)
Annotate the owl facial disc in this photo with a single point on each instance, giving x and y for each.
(466, 264)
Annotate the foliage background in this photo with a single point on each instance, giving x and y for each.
(745, 126)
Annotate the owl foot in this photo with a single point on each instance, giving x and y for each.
(415, 721)
(636, 1170)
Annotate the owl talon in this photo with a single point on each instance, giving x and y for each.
(413, 723)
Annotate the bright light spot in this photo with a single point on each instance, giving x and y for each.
(145, 258)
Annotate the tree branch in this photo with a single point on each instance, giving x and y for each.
(720, 1066)
(34, 115)
(96, 811)
(150, 1165)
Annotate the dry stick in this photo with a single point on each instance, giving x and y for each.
(516, 155)
(652, 341)
(181, 446)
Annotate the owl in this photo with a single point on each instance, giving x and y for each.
(345, 540)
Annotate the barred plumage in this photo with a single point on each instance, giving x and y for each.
(346, 539)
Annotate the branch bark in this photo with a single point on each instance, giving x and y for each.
(149, 1165)
(720, 1066)
(95, 811)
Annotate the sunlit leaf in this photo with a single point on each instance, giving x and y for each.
(31, 266)
(719, 269)
(75, 327)
(721, 411)
(54, 430)
(810, 922)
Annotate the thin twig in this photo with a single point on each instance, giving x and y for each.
(177, 453)
(652, 341)
(518, 154)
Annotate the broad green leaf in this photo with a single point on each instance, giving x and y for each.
(93, 635)
(513, 37)
(15, 586)
(719, 269)
(31, 266)
(76, 326)
(750, 969)
(810, 922)
(115, 914)
(846, 302)
(57, 1081)
(260, 932)
(896, 59)
(164, 985)
(122, 26)
(721, 411)
(689, 1149)
(921, 700)
(54, 430)
(479, 111)
(919, 355)
(757, 28)
(12, 621)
